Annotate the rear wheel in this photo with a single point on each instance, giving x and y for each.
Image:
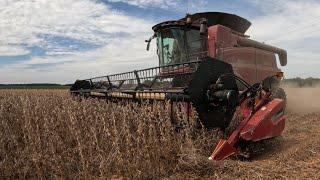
(272, 84)
(279, 93)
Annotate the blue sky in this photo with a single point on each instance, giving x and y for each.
(62, 40)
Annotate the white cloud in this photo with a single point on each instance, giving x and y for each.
(118, 56)
(286, 20)
(27, 23)
(294, 26)
(7, 50)
(165, 4)
(173, 5)
(120, 37)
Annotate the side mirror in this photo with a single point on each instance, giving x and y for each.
(149, 40)
(203, 27)
(148, 44)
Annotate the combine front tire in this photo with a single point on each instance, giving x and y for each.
(279, 93)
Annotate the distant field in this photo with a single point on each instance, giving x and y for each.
(20, 86)
(299, 82)
(47, 134)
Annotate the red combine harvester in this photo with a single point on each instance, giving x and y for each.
(207, 61)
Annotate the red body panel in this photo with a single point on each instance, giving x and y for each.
(265, 120)
(223, 150)
(251, 64)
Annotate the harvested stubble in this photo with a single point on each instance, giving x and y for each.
(47, 134)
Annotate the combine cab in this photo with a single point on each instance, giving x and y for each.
(207, 61)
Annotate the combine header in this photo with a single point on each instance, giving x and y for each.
(206, 60)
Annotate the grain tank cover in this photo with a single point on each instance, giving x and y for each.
(232, 21)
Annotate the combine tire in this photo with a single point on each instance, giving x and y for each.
(279, 93)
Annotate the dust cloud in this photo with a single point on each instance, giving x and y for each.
(303, 100)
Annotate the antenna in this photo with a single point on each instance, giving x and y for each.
(187, 7)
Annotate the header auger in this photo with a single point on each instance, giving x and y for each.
(206, 60)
